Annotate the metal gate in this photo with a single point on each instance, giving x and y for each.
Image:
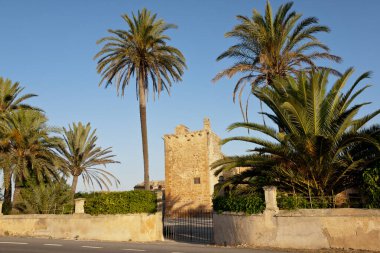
(189, 226)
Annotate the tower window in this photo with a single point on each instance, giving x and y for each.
(197, 180)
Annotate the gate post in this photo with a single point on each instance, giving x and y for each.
(271, 208)
(159, 201)
(271, 198)
(79, 206)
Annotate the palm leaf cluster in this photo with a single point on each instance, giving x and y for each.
(312, 154)
(273, 46)
(142, 52)
(11, 98)
(30, 148)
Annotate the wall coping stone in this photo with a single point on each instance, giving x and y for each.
(333, 212)
(328, 212)
(238, 214)
(71, 216)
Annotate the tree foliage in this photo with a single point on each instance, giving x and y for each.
(29, 150)
(371, 187)
(273, 46)
(248, 203)
(46, 198)
(319, 127)
(11, 98)
(30, 146)
(143, 52)
(11, 101)
(119, 202)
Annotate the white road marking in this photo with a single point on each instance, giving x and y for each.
(92, 247)
(14, 243)
(52, 244)
(140, 250)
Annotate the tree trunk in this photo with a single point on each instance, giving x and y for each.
(144, 134)
(17, 199)
(74, 185)
(7, 206)
(17, 192)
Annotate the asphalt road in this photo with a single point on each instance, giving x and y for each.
(33, 245)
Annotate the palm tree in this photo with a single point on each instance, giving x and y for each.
(81, 156)
(273, 46)
(312, 153)
(30, 148)
(141, 52)
(10, 101)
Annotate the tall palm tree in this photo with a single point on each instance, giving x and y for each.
(11, 99)
(30, 148)
(273, 46)
(81, 156)
(141, 52)
(319, 129)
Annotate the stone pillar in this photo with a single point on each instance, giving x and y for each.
(79, 206)
(1, 207)
(159, 201)
(270, 198)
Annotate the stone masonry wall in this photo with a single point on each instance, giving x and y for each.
(344, 228)
(188, 156)
(214, 154)
(140, 227)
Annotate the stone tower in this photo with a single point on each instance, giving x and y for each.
(189, 182)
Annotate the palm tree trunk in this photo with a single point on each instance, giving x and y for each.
(74, 185)
(17, 199)
(144, 134)
(7, 206)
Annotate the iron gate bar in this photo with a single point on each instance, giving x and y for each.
(189, 226)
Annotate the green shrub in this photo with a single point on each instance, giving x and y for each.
(119, 202)
(371, 187)
(251, 203)
(291, 202)
(44, 198)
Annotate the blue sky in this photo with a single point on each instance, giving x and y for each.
(48, 46)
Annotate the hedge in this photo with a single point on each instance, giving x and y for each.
(293, 202)
(119, 202)
(249, 203)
